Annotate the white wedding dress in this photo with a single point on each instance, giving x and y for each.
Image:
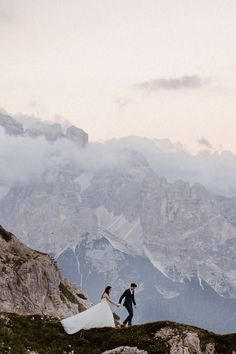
(97, 316)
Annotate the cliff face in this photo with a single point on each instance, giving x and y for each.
(30, 282)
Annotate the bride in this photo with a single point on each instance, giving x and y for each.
(99, 315)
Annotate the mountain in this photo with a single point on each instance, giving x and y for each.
(89, 224)
(107, 216)
(51, 132)
(10, 125)
(39, 335)
(30, 282)
(95, 262)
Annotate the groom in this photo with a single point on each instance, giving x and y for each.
(129, 300)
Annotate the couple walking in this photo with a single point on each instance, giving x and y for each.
(100, 315)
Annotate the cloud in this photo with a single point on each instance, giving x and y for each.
(3, 111)
(24, 160)
(205, 142)
(216, 170)
(179, 83)
(31, 121)
(62, 121)
(27, 120)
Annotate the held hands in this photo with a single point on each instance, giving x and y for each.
(118, 305)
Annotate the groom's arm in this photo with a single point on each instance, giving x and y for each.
(122, 296)
(133, 300)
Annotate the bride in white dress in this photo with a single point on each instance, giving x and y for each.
(97, 316)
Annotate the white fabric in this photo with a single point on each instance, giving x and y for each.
(97, 316)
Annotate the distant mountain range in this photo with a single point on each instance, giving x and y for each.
(122, 222)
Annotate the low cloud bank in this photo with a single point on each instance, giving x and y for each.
(24, 159)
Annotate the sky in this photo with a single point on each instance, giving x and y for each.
(152, 68)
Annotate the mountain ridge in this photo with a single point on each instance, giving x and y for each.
(50, 131)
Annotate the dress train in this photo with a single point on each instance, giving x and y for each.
(97, 316)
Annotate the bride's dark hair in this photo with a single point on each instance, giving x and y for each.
(106, 291)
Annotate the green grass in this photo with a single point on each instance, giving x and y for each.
(46, 336)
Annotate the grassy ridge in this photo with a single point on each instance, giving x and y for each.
(46, 336)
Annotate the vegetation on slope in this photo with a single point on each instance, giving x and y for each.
(44, 335)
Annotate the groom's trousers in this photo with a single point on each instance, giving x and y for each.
(128, 320)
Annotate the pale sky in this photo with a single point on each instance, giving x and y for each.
(154, 68)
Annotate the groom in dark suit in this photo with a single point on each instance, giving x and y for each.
(128, 303)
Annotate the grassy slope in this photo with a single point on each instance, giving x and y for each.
(47, 336)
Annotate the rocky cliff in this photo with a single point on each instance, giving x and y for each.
(30, 282)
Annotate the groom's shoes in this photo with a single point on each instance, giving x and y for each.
(124, 325)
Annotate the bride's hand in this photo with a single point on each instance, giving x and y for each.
(118, 305)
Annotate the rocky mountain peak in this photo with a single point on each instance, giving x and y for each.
(77, 135)
(10, 125)
(51, 131)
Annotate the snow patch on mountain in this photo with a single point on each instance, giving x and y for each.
(119, 225)
(159, 266)
(117, 243)
(165, 293)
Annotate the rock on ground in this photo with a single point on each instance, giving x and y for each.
(125, 350)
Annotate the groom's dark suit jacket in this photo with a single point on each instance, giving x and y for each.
(129, 298)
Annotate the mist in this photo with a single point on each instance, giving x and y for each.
(23, 159)
(216, 170)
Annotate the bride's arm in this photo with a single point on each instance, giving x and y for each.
(108, 299)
